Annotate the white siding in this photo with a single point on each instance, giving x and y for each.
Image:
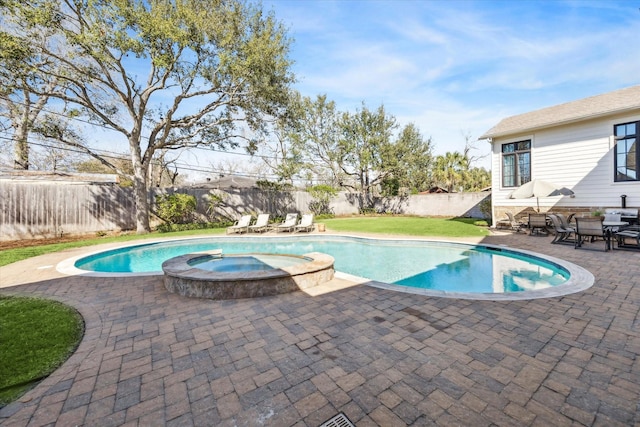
(578, 156)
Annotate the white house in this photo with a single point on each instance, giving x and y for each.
(589, 146)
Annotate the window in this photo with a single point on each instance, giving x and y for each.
(516, 163)
(627, 156)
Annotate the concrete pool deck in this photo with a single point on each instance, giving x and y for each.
(150, 357)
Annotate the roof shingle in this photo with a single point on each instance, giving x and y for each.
(618, 101)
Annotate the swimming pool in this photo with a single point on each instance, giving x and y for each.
(419, 266)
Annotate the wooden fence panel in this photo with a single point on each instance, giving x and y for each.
(31, 210)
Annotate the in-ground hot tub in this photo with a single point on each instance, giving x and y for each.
(216, 276)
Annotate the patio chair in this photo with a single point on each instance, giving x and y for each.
(261, 224)
(538, 224)
(241, 225)
(288, 224)
(514, 224)
(563, 234)
(612, 218)
(566, 222)
(630, 233)
(305, 224)
(591, 228)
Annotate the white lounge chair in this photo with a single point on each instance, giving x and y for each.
(305, 224)
(262, 224)
(289, 223)
(241, 226)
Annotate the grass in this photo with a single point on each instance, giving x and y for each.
(9, 256)
(37, 336)
(410, 226)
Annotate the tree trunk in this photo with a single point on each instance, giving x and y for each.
(141, 197)
(21, 149)
(140, 187)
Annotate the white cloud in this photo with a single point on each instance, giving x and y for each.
(459, 67)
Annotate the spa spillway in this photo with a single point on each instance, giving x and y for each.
(216, 276)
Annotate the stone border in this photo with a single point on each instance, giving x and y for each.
(182, 278)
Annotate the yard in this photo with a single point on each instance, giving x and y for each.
(381, 357)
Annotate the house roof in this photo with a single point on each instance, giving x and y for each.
(57, 177)
(618, 101)
(434, 190)
(229, 181)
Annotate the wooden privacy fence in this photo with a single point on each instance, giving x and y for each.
(34, 210)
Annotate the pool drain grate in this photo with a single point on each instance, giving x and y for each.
(339, 420)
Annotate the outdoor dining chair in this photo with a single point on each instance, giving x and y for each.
(538, 224)
(563, 234)
(591, 229)
(629, 237)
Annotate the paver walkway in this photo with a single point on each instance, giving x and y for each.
(152, 358)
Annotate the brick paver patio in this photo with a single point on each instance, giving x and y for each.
(153, 358)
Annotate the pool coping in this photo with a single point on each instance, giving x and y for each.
(580, 278)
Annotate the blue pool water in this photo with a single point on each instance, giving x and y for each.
(258, 262)
(450, 267)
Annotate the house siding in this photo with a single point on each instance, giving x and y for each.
(578, 156)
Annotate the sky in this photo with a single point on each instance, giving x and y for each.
(453, 68)
(456, 68)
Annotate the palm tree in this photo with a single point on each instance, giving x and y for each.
(450, 170)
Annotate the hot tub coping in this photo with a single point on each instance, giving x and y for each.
(182, 278)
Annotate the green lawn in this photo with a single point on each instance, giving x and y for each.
(13, 255)
(37, 336)
(410, 226)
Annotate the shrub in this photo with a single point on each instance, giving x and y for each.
(176, 208)
(213, 202)
(485, 208)
(168, 228)
(322, 195)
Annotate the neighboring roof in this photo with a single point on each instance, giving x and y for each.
(434, 190)
(55, 177)
(610, 103)
(227, 182)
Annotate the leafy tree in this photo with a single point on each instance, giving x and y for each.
(477, 179)
(315, 137)
(20, 106)
(166, 74)
(408, 162)
(365, 137)
(280, 154)
(450, 170)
